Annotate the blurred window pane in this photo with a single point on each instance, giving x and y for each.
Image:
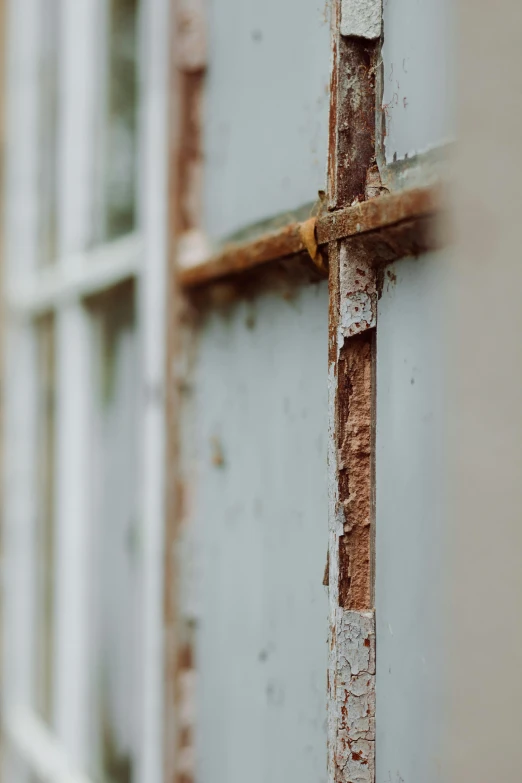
(116, 187)
(48, 129)
(114, 537)
(266, 110)
(44, 538)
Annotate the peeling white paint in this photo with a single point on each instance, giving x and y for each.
(351, 716)
(357, 315)
(361, 18)
(358, 296)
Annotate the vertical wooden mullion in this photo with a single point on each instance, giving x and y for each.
(187, 69)
(352, 321)
(152, 185)
(78, 53)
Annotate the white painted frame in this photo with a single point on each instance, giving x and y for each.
(60, 755)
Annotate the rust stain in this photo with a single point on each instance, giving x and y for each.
(379, 213)
(309, 239)
(236, 258)
(187, 68)
(217, 456)
(352, 699)
(326, 574)
(385, 228)
(332, 119)
(374, 186)
(353, 185)
(355, 142)
(189, 163)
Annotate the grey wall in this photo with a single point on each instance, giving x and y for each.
(266, 111)
(260, 407)
(485, 383)
(418, 56)
(410, 554)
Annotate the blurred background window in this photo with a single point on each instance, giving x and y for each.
(83, 389)
(117, 141)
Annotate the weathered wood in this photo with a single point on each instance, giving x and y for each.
(378, 214)
(188, 63)
(235, 259)
(375, 225)
(353, 312)
(351, 718)
(354, 453)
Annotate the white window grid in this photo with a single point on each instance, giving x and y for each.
(59, 754)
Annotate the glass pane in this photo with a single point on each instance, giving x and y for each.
(266, 109)
(15, 769)
(117, 175)
(418, 84)
(44, 540)
(410, 550)
(258, 403)
(115, 537)
(48, 119)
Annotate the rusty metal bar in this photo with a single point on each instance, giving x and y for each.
(390, 226)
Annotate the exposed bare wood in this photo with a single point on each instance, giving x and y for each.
(354, 420)
(362, 18)
(389, 226)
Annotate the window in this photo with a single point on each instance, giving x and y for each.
(192, 438)
(278, 106)
(84, 280)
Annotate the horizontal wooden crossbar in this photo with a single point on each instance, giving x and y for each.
(387, 227)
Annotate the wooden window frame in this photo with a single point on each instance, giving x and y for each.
(60, 754)
(363, 229)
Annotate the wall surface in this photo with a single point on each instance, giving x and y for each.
(410, 553)
(485, 383)
(418, 77)
(260, 517)
(266, 112)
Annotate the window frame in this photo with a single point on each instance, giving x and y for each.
(80, 271)
(363, 226)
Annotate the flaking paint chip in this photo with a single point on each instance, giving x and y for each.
(361, 18)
